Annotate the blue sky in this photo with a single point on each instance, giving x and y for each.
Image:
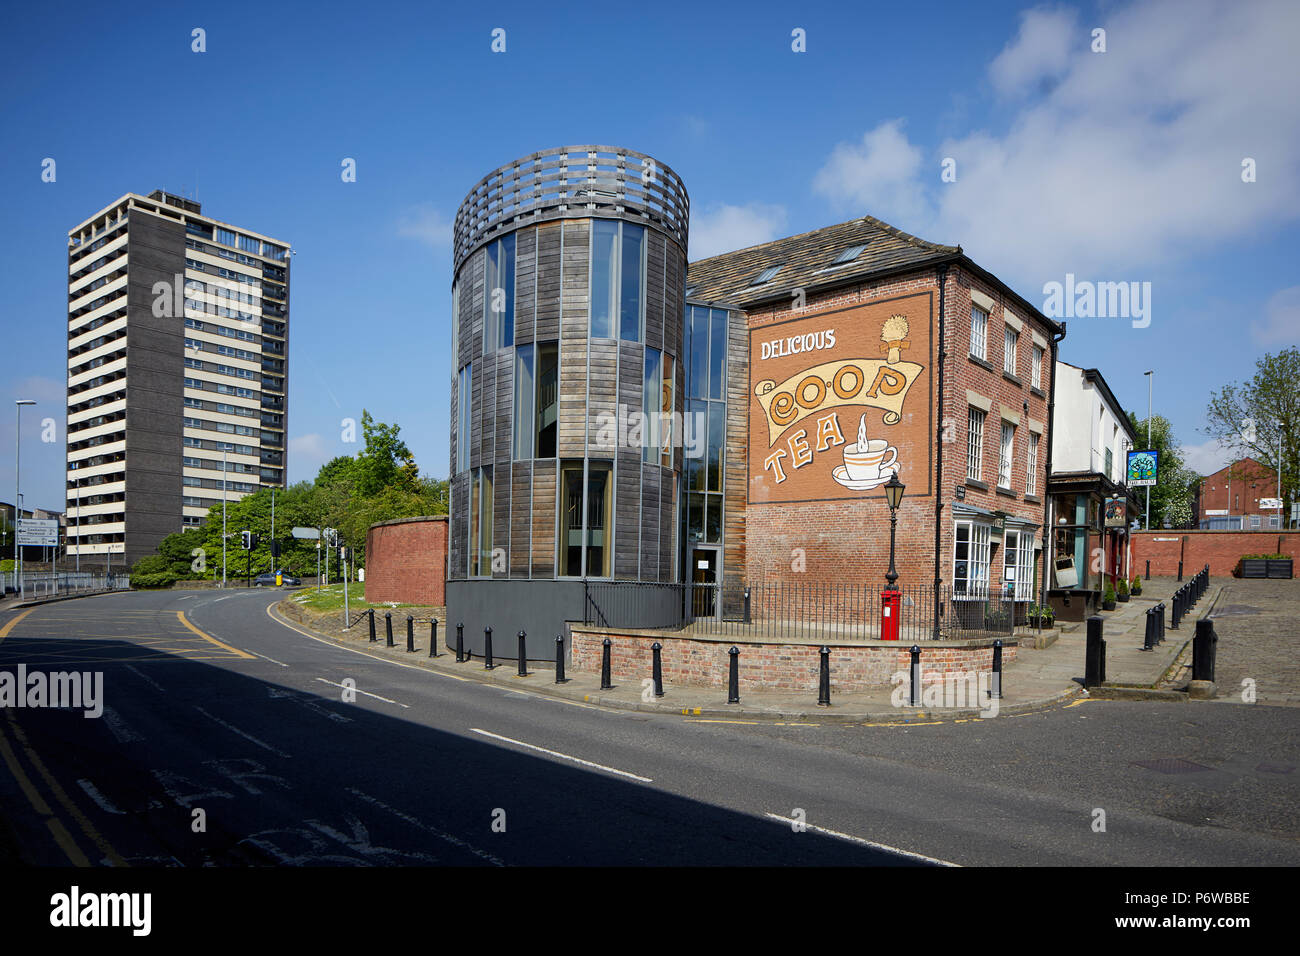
(1115, 166)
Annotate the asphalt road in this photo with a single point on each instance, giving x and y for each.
(212, 706)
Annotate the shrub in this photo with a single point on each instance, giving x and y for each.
(157, 579)
(1137, 584)
(1123, 587)
(1109, 595)
(1265, 557)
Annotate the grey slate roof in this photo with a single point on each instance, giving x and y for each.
(807, 261)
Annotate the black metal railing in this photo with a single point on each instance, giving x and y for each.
(801, 611)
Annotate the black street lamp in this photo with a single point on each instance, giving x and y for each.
(893, 495)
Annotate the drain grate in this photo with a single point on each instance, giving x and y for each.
(1274, 768)
(1171, 765)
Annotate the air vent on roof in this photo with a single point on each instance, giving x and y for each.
(766, 275)
(849, 254)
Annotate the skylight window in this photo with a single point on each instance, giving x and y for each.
(849, 254)
(766, 275)
(690, 290)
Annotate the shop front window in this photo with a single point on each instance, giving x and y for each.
(586, 525)
(970, 565)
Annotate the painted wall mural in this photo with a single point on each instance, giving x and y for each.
(842, 400)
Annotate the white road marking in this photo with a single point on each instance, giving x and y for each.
(188, 597)
(455, 841)
(861, 842)
(220, 599)
(102, 801)
(265, 658)
(146, 678)
(235, 730)
(118, 728)
(556, 753)
(358, 690)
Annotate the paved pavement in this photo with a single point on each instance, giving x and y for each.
(214, 706)
(1258, 624)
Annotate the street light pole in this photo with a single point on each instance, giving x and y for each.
(223, 520)
(893, 496)
(18, 498)
(1150, 374)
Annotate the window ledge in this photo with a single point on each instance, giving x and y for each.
(982, 363)
(976, 483)
(1037, 391)
(1033, 499)
(1015, 379)
(1006, 492)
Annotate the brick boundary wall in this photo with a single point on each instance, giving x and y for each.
(406, 561)
(1220, 549)
(705, 662)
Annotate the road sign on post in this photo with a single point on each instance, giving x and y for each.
(307, 533)
(37, 532)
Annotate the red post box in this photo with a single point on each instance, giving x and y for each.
(890, 602)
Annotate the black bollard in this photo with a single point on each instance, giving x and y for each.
(372, 626)
(523, 655)
(1148, 575)
(1149, 639)
(1094, 654)
(1180, 569)
(605, 682)
(388, 626)
(410, 634)
(657, 668)
(914, 691)
(995, 677)
(1160, 623)
(1204, 650)
(824, 677)
(733, 676)
(747, 617)
(460, 643)
(487, 649)
(559, 660)
(433, 638)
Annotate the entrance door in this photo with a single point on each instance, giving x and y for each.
(704, 582)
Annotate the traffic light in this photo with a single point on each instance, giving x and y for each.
(244, 540)
(275, 548)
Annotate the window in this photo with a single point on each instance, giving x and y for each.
(975, 444)
(1110, 459)
(1007, 449)
(462, 419)
(657, 401)
(1018, 564)
(848, 255)
(525, 392)
(1009, 339)
(480, 523)
(979, 325)
(970, 560)
(1036, 370)
(455, 327)
(618, 266)
(548, 399)
(249, 244)
(1031, 466)
(225, 236)
(586, 526)
(499, 295)
(766, 275)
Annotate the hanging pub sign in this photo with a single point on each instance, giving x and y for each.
(1116, 513)
(841, 401)
(1142, 467)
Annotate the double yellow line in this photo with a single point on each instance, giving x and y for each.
(42, 807)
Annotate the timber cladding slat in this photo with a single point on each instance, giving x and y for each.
(736, 468)
(654, 300)
(544, 519)
(521, 518)
(650, 531)
(525, 284)
(627, 510)
(505, 376)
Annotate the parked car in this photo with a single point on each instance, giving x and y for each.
(268, 580)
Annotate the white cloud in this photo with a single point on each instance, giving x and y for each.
(1132, 159)
(426, 224)
(1039, 53)
(306, 454)
(879, 176)
(724, 228)
(1207, 457)
(1281, 322)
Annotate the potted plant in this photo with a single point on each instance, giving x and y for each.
(1108, 598)
(997, 621)
(1041, 615)
(1122, 593)
(1137, 585)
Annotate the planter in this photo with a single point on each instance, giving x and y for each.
(1122, 597)
(1280, 568)
(1108, 605)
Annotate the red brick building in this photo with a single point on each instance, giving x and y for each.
(1229, 498)
(969, 362)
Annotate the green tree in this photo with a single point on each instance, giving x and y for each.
(1171, 496)
(385, 461)
(1253, 418)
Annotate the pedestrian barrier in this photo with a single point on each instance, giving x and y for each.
(733, 677)
(1094, 654)
(824, 678)
(371, 615)
(605, 682)
(1204, 650)
(657, 668)
(410, 634)
(523, 655)
(433, 638)
(914, 689)
(995, 677)
(460, 643)
(559, 660)
(487, 650)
